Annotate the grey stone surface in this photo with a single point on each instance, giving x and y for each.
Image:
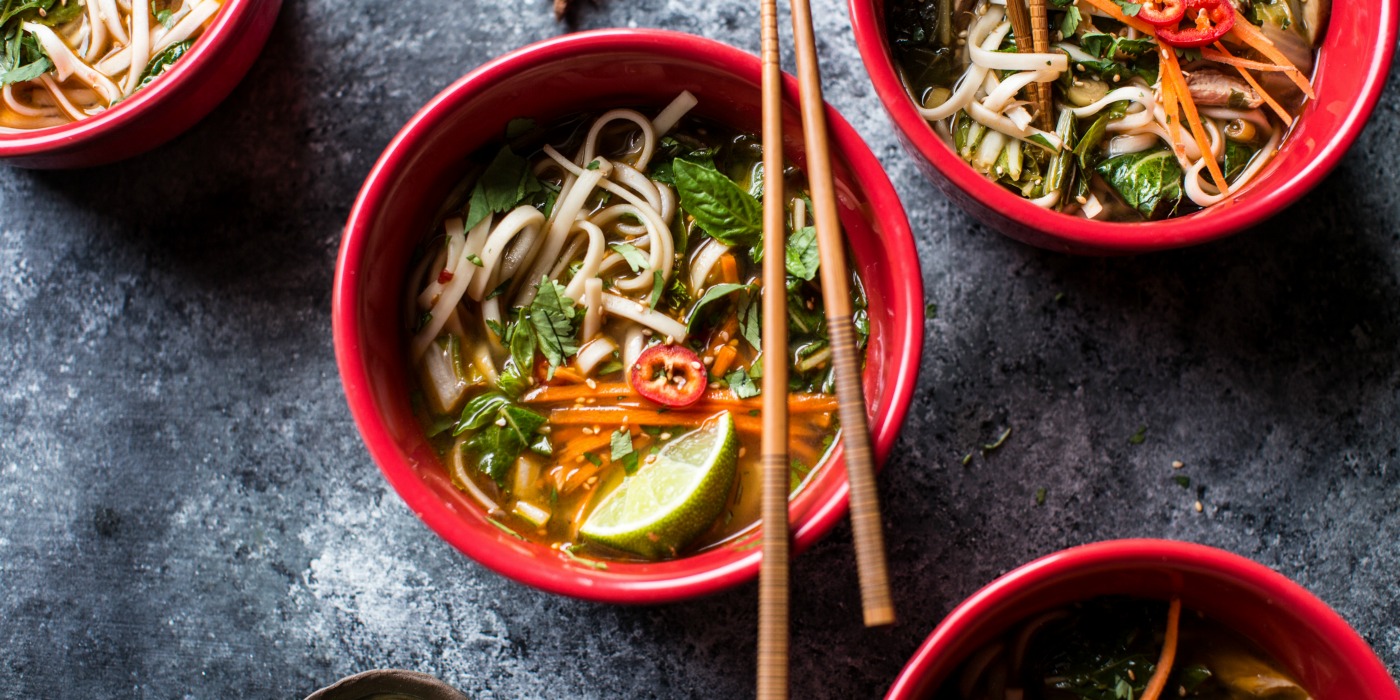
(186, 509)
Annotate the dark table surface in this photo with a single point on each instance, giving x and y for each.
(186, 509)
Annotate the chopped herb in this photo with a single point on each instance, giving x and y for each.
(554, 319)
(658, 288)
(995, 445)
(1182, 481)
(720, 208)
(714, 293)
(594, 564)
(622, 452)
(475, 259)
(505, 528)
(635, 258)
(967, 459)
(802, 258)
(594, 164)
(519, 127)
(1139, 437)
(931, 310)
(754, 412)
(652, 430)
(499, 290)
(1130, 9)
(593, 459)
(161, 62)
(1070, 24)
(741, 383)
(1040, 496)
(505, 183)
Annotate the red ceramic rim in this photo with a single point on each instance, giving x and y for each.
(1099, 236)
(964, 621)
(146, 101)
(904, 331)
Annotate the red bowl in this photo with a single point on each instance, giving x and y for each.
(1350, 75)
(1319, 649)
(187, 92)
(546, 81)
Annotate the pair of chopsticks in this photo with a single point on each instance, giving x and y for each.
(865, 512)
(1029, 19)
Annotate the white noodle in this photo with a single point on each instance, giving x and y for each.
(593, 308)
(597, 248)
(521, 220)
(639, 312)
(669, 117)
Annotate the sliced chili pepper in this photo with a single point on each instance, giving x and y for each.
(1205, 22)
(1162, 13)
(670, 375)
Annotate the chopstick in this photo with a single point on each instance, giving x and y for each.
(1027, 24)
(845, 360)
(773, 574)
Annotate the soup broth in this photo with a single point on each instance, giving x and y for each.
(602, 328)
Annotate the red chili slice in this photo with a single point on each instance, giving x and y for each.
(1206, 21)
(670, 375)
(1162, 13)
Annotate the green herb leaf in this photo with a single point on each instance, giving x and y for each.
(635, 258)
(1130, 9)
(1070, 23)
(741, 383)
(554, 319)
(505, 183)
(1138, 437)
(622, 451)
(751, 321)
(715, 292)
(161, 62)
(475, 259)
(481, 411)
(1182, 481)
(1149, 181)
(720, 208)
(518, 127)
(931, 310)
(802, 257)
(1040, 496)
(658, 288)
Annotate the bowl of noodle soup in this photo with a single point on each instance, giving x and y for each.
(607, 73)
(97, 81)
(1342, 61)
(1244, 632)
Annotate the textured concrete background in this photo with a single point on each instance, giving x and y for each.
(186, 509)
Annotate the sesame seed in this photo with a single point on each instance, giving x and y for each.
(646, 332)
(1199, 507)
(590, 482)
(1178, 464)
(597, 430)
(696, 364)
(651, 458)
(665, 436)
(587, 430)
(501, 421)
(709, 360)
(743, 451)
(592, 384)
(578, 399)
(670, 340)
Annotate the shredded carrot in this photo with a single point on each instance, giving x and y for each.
(1111, 9)
(1229, 59)
(1249, 35)
(1158, 682)
(1173, 112)
(577, 447)
(1278, 109)
(723, 334)
(724, 357)
(568, 375)
(1171, 70)
(728, 269)
(553, 394)
(609, 416)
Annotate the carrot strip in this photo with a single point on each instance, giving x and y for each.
(728, 269)
(724, 357)
(553, 394)
(1111, 9)
(723, 334)
(1249, 35)
(569, 374)
(1229, 59)
(1173, 112)
(1172, 70)
(580, 446)
(1158, 682)
(608, 416)
(1278, 109)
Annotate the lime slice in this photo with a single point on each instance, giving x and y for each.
(671, 500)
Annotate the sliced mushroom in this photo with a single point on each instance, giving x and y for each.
(1212, 88)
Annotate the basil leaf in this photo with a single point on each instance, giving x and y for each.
(554, 319)
(505, 183)
(161, 62)
(635, 258)
(481, 411)
(742, 385)
(719, 207)
(622, 451)
(802, 255)
(716, 292)
(1149, 181)
(1089, 142)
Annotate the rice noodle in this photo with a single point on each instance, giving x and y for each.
(1195, 185)
(590, 144)
(453, 292)
(669, 117)
(633, 342)
(597, 248)
(446, 261)
(704, 260)
(566, 210)
(140, 45)
(594, 353)
(639, 312)
(592, 308)
(521, 220)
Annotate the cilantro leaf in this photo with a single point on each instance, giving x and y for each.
(505, 183)
(741, 383)
(622, 451)
(635, 258)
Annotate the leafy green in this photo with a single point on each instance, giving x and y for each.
(505, 183)
(518, 127)
(741, 383)
(715, 292)
(555, 322)
(510, 432)
(1070, 23)
(520, 338)
(1116, 57)
(1129, 8)
(1087, 147)
(161, 62)
(481, 411)
(635, 258)
(1237, 157)
(802, 255)
(622, 451)
(1149, 181)
(751, 321)
(719, 206)
(165, 17)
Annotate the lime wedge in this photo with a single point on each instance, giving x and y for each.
(671, 500)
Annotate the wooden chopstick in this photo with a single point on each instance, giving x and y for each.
(845, 360)
(1023, 23)
(1040, 36)
(773, 575)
